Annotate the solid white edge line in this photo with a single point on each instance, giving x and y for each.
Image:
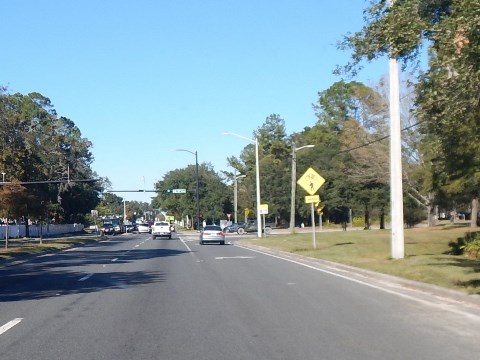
(9, 325)
(393, 292)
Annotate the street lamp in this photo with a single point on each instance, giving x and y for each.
(197, 192)
(236, 177)
(294, 184)
(257, 172)
(3, 177)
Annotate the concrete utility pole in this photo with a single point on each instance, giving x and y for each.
(396, 187)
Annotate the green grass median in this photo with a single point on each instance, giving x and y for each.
(431, 254)
(23, 247)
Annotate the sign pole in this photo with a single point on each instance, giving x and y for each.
(313, 226)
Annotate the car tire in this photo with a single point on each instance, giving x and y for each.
(154, 237)
(201, 242)
(241, 231)
(222, 242)
(268, 230)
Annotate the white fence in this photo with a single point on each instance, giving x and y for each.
(19, 231)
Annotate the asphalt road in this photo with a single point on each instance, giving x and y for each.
(132, 297)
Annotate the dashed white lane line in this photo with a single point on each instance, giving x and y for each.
(9, 325)
(113, 260)
(85, 277)
(234, 257)
(184, 243)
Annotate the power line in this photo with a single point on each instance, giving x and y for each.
(379, 139)
(47, 182)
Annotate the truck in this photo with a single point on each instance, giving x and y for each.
(162, 229)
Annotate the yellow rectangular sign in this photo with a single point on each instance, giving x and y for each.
(312, 199)
(263, 208)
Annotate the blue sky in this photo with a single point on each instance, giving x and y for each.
(141, 78)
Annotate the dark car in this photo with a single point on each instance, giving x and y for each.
(129, 228)
(252, 227)
(108, 229)
(234, 227)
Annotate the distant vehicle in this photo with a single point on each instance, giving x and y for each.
(212, 233)
(234, 227)
(129, 228)
(252, 227)
(143, 228)
(115, 223)
(108, 229)
(162, 229)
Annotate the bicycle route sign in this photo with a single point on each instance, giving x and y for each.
(311, 181)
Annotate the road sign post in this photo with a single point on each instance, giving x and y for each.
(311, 182)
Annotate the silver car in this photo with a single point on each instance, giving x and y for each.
(212, 233)
(143, 228)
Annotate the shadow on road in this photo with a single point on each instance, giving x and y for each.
(62, 273)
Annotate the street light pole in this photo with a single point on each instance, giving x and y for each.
(197, 186)
(294, 184)
(235, 201)
(257, 172)
(3, 176)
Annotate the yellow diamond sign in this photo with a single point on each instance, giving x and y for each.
(311, 181)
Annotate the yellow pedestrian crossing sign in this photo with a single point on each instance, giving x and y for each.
(311, 181)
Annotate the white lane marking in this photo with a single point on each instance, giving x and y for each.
(86, 277)
(234, 257)
(9, 325)
(71, 249)
(113, 260)
(378, 287)
(45, 255)
(184, 243)
(137, 245)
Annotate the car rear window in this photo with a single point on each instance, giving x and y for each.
(212, 227)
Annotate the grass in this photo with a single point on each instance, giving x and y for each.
(22, 247)
(428, 253)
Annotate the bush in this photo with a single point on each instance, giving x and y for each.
(471, 245)
(468, 245)
(358, 221)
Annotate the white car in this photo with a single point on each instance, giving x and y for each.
(143, 228)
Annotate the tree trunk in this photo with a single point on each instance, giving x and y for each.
(431, 211)
(382, 219)
(367, 219)
(473, 218)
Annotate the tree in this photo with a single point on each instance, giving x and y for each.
(38, 145)
(350, 117)
(275, 166)
(215, 198)
(447, 93)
